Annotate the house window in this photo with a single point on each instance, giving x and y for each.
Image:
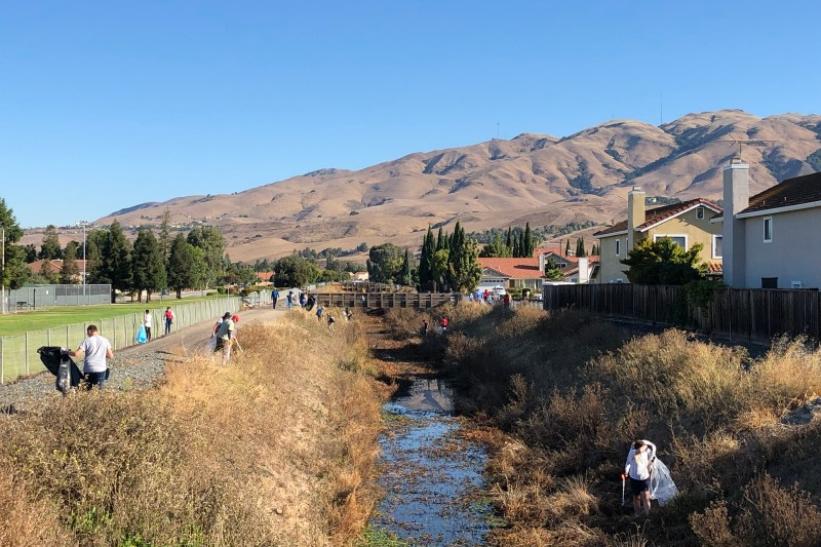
(768, 229)
(678, 239)
(700, 213)
(717, 242)
(769, 282)
(618, 247)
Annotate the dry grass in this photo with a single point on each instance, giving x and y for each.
(572, 393)
(273, 450)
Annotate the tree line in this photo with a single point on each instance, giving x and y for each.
(517, 243)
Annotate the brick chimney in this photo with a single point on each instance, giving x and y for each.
(635, 214)
(736, 199)
(584, 270)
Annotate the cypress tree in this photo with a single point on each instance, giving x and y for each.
(426, 261)
(148, 264)
(116, 260)
(528, 237)
(509, 240)
(440, 240)
(567, 248)
(580, 251)
(405, 273)
(164, 239)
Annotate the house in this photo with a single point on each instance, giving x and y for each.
(54, 267)
(510, 273)
(686, 223)
(528, 272)
(264, 278)
(772, 239)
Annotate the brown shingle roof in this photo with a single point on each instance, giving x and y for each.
(793, 191)
(659, 214)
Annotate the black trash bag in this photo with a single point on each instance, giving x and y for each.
(60, 364)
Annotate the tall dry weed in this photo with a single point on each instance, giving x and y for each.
(275, 449)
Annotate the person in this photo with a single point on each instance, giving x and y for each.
(309, 304)
(95, 350)
(147, 324)
(290, 299)
(225, 335)
(169, 320)
(347, 313)
(319, 311)
(331, 322)
(424, 330)
(444, 323)
(274, 298)
(638, 469)
(302, 300)
(506, 300)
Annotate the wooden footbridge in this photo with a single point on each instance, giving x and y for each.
(386, 299)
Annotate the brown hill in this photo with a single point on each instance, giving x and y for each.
(537, 178)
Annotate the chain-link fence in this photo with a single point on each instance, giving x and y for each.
(18, 353)
(32, 297)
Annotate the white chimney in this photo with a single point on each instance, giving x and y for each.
(736, 199)
(541, 263)
(584, 270)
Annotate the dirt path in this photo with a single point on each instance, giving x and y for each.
(137, 367)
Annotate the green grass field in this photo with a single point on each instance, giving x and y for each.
(19, 323)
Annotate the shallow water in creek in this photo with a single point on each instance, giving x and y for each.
(432, 478)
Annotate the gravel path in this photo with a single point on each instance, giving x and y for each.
(137, 367)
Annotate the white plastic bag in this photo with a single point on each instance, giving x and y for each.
(662, 487)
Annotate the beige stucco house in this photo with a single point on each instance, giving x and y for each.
(687, 223)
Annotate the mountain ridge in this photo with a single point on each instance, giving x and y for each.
(552, 180)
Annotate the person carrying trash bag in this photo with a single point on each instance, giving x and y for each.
(649, 478)
(60, 364)
(95, 350)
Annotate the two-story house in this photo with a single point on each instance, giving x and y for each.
(772, 239)
(686, 223)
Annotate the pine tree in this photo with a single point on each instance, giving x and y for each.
(181, 265)
(148, 265)
(116, 260)
(50, 247)
(69, 272)
(16, 272)
(210, 241)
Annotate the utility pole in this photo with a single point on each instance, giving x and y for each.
(83, 224)
(3, 263)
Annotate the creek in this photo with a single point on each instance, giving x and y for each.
(431, 475)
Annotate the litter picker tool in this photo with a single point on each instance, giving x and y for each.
(622, 490)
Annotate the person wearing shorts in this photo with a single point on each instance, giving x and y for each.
(639, 467)
(95, 350)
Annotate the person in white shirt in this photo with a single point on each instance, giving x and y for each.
(95, 350)
(638, 468)
(147, 324)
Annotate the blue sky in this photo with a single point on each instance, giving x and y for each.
(104, 105)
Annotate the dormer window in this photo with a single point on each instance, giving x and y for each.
(700, 213)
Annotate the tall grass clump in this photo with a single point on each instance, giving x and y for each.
(274, 449)
(572, 392)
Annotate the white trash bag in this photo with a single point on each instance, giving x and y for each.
(662, 487)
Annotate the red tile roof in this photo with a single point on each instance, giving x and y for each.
(264, 276)
(56, 265)
(515, 268)
(795, 191)
(660, 214)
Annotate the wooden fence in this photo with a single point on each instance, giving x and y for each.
(386, 300)
(753, 314)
